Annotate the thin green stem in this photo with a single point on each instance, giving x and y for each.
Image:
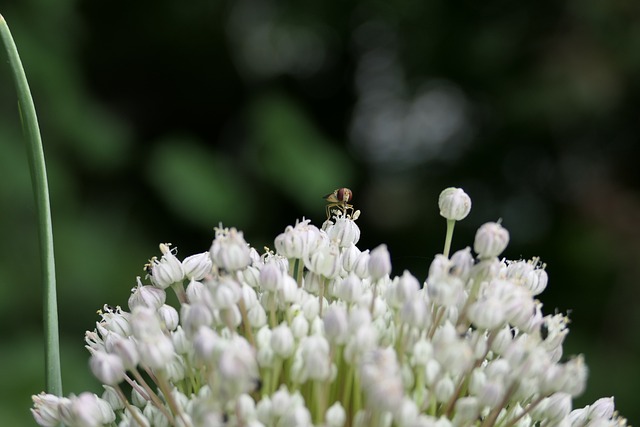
(35, 153)
(449, 237)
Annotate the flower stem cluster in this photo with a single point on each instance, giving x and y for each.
(320, 333)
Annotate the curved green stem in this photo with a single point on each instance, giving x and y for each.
(35, 154)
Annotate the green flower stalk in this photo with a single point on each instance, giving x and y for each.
(343, 343)
(41, 192)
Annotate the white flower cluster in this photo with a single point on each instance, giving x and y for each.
(319, 333)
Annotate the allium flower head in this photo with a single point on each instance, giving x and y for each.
(321, 333)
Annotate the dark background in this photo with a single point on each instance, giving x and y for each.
(162, 118)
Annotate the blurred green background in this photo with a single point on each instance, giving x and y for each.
(161, 119)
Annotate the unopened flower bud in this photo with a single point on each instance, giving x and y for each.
(467, 410)
(336, 324)
(349, 257)
(169, 317)
(444, 389)
(336, 415)
(361, 265)
(345, 231)
(491, 239)
(454, 204)
(602, 408)
(124, 348)
(461, 263)
(558, 406)
(198, 266)
(270, 277)
(157, 352)
(299, 327)
(282, 341)
(403, 289)
(350, 288)
(379, 262)
(111, 396)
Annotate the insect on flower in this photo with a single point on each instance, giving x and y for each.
(340, 198)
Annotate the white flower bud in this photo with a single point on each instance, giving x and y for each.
(407, 413)
(238, 367)
(467, 410)
(282, 341)
(181, 343)
(502, 340)
(281, 402)
(264, 410)
(557, 406)
(402, 289)
(287, 293)
(271, 277)
(198, 266)
(229, 250)
(197, 292)
(492, 393)
(422, 352)
(415, 313)
(491, 239)
(107, 368)
(335, 415)
(445, 291)
(225, 292)
(461, 264)
(169, 317)
(324, 261)
(349, 257)
(175, 370)
(111, 396)
(602, 408)
(381, 379)
(345, 231)
(137, 398)
(488, 313)
(45, 409)
(145, 322)
(86, 410)
(379, 262)
(298, 416)
(149, 296)
(167, 271)
(156, 352)
(299, 327)
(454, 204)
(336, 324)
(575, 373)
(251, 276)
(314, 350)
(128, 420)
(245, 407)
(444, 389)
(155, 416)
(361, 266)
(257, 316)
(124, 348)
(350, 288)
(195, 315)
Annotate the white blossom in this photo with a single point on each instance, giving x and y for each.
(328, 319)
